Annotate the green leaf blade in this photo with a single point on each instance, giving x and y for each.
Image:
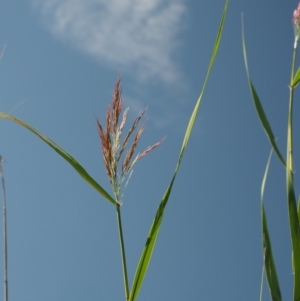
(295, 234)
(149, 246)
(296, 79)
(75, 164)
(269, 260)
(259, 108)
(291, 198)
(270, 267)
(155, 227)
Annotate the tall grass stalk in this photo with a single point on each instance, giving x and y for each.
(113, 152)
(4, 231)
(292, 202)
(270, 266)
(123, 254)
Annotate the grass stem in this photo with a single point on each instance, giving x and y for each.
(4, 232)
(289, 159)
(125, 275)
(291, 198)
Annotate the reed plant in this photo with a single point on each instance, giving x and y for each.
(292, 204)
(119, 160)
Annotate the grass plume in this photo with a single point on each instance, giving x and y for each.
(113, 149)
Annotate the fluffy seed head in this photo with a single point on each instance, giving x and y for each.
(296, 24)
(112, 149)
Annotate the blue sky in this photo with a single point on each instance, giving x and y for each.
(58, 72)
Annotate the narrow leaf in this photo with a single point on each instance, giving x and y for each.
(154, 230)
(292, 203)
(267, 247)
(298, 210)
(295, 234)
(262, 278)
(269, 260)
(296, 79)
(64, 154)
(259, 108)
(2, 52)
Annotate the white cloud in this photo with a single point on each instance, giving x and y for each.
(132, 35)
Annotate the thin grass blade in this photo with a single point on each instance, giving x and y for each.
(262, 278)
(267, 247)
(82, 172)
(296, 79)
(269, 260)
(295, 234)
(298, 209)
(291, 197)
(5, 253)
(2, 52)
(154, 230)
(259, 108)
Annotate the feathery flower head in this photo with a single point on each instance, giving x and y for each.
(113, 149)
(296, 24)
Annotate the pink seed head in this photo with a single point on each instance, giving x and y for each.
(296, 16)
(296, 25)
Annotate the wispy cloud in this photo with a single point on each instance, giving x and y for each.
(132, 35)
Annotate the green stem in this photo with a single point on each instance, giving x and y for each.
(289, 159)
(126, 286)
(291, 198)
(262, 276)
(4, 233)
